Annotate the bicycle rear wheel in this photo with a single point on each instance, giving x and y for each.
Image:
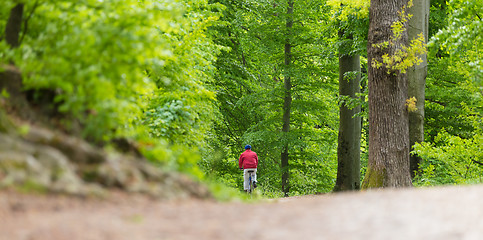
(251, 177)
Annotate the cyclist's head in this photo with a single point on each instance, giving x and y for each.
(248, 147)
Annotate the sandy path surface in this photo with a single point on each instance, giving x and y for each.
(438, 213)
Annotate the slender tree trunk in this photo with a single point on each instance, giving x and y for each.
(417, 79)
(388, 163)
(287, 100)
(349, 141)
(348, 147)
(14, 24)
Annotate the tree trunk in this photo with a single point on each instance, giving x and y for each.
(388, 163)
(417, 79)
(349, 141)
(14, 24)
(287, 101)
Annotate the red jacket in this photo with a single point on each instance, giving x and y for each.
(248, 159)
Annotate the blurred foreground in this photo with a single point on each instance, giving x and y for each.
(436, 213)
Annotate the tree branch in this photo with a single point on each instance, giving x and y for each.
(25, 23)
(248, 30)
(477, 162)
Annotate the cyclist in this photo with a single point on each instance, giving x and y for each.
(248, 162)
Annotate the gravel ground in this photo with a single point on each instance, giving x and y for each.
(436, 213)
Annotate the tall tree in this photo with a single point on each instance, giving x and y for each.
(349, 140)
(14, 24)
(388, 163)
(352, 24)
(417, 79)
(287, 100)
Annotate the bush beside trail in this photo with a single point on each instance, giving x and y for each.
(35, 155)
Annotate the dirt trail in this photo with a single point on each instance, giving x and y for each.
(438, 213)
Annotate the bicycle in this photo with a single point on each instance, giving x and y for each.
(251, 184)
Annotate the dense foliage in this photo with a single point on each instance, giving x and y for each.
(250, 88)
(454, 103)
(130, 69)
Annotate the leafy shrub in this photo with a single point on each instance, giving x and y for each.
(450, 160)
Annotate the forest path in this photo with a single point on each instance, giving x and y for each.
(436, 213)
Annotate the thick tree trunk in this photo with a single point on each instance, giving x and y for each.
(287, 101)
(388, 163)
(417, 79)
(349, 141)
(14, 24)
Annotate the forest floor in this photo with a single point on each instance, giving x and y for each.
(431, 213)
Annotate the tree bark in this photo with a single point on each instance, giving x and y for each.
(287, 100)
(349, 140)
(388, 163)
(14, 24)
(417, 79)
